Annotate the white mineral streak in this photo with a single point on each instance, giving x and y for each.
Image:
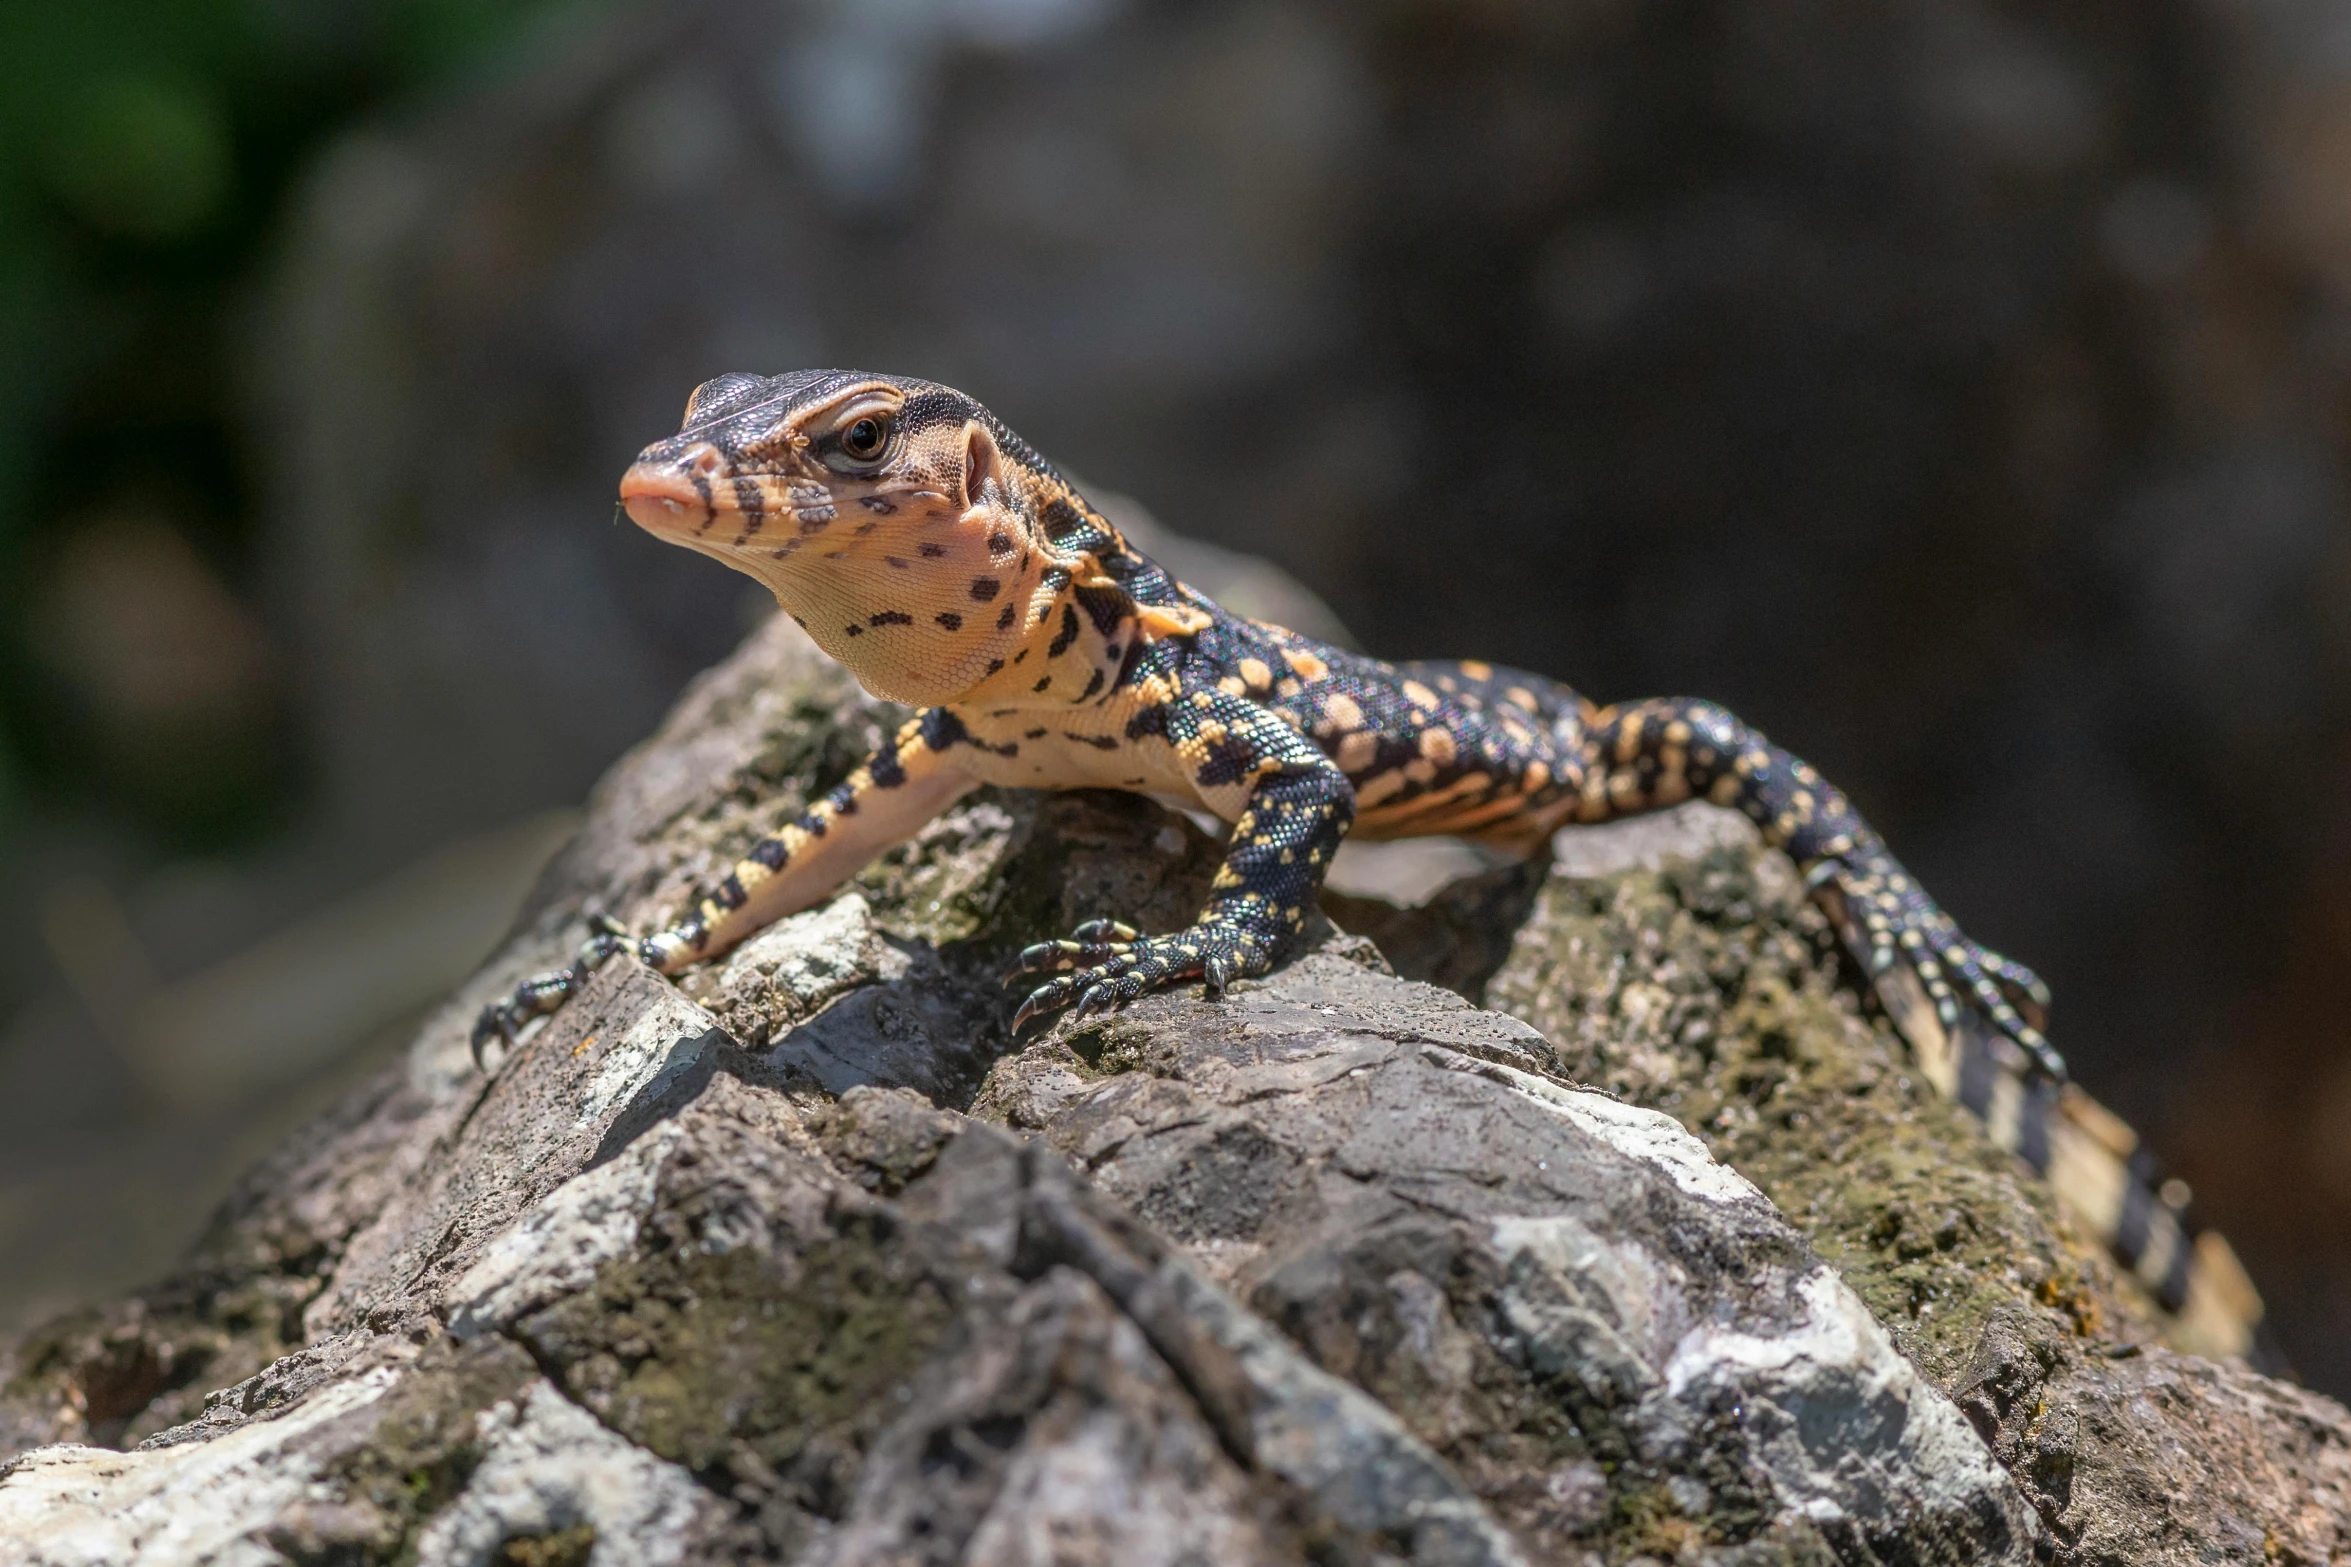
(1860, 1427)
(206, 1502)
(1647, 1135)
(656, 1049)
(556, 1247)
(549, 1465)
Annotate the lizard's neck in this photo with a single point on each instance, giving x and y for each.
(1084, 620)
(1080, 628)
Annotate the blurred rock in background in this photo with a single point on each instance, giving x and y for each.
(1955, 391)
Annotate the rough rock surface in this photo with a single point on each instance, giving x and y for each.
(806, 1259)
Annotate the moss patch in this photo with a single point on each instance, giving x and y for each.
(424, 1447)
(752, 1366)
(1713, 990)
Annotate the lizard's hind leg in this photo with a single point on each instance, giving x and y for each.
(1644, 755)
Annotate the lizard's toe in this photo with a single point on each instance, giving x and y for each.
(1101, 976)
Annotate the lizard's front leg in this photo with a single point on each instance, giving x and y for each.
(1273, 868)
(884, 802)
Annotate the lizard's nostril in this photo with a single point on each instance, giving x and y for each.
(707, 462)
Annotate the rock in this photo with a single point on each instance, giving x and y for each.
(806, 1259)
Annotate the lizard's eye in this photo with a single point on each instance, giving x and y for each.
(865, 438)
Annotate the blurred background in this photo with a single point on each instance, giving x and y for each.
(1957, 390)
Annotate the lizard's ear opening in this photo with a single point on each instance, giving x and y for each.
(983, 466)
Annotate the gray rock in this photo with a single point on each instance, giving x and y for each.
(805, 1259)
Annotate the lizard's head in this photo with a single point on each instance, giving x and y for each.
(896, 520)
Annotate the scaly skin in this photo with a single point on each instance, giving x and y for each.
(930, 550)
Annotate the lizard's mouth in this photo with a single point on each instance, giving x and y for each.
(670, 497)
(695, 501)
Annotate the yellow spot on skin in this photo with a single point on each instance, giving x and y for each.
(1373, 790)
(1253, 671)
(1437, 746)
(1520, 696)
(1477, 669)
(1628, 739)
(1725, 790)
(1536, 776)
(1287, 686)
(1357, 750)
(1309, 668)
(1340, 714)
(1678, 732)
(1419, 696)
(1624, 788)
(1231, 686)
(1213, 733)
(1420, 770)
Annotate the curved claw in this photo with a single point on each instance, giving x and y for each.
(1051, 957)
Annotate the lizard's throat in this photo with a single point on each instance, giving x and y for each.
(907, 635)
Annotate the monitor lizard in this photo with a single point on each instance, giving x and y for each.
(932, 551)
(927, 547)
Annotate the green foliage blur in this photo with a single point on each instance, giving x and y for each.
(147, 150)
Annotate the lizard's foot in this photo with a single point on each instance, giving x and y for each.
(1900, 923)
(543, 993)
(1106, 965)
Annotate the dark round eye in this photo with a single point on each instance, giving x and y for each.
(864, 438)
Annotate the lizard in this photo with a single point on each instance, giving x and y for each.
(928, 548)
(924, 545)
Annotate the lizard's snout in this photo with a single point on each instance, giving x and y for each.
(666, 488)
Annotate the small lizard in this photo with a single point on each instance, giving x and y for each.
(929, 549)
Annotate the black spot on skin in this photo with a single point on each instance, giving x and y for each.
(1055, 579)
(1105, 607)
(816, 521)
(894, 562)
(1067, 635)
(951, 621)
(855, 631)
(752, 503)
(1034, 734)
(1098, 742)
(1111, 651)
(1062, 519)
(1019, 656)
(863, 528)
(1228, 761)
(985, 588)
(890, 617)
(887, 774)
(999, 543)
(1042, 682)
(1151, 720)
(1004, 621)
(932, 551)
(941, 729)
(1092, 686)
(797, 621)
(994, 664)
(770, 852)
(730, 894)
(876, 503)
